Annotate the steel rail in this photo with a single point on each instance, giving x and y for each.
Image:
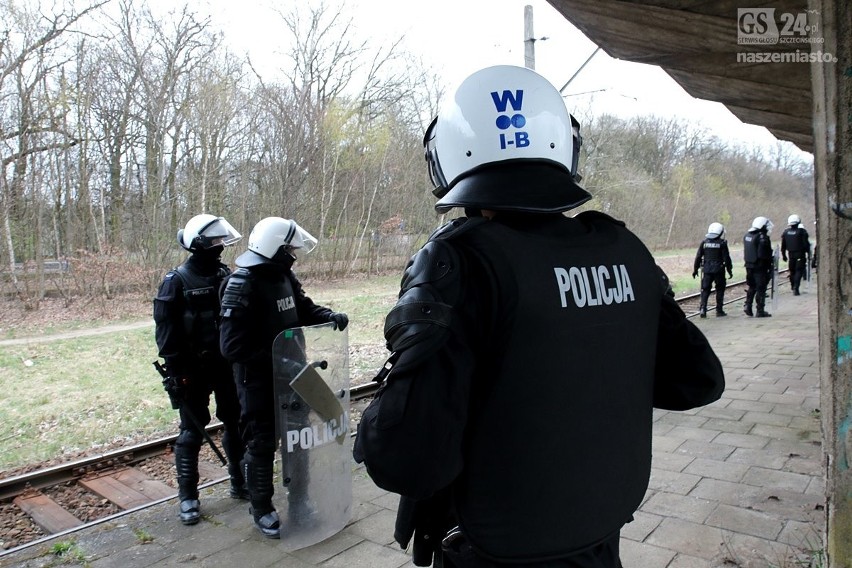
(61, 473)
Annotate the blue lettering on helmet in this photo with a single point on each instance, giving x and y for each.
(515, 99)
(504, 121)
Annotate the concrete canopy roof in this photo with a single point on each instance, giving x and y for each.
(695, 42)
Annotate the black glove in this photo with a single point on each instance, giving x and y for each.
(694, 274)
(339, 319)
(730, 274)
(784, 256)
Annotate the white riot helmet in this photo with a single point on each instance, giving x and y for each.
(207, 231)
(715, 231)
(504, 140)
(761, 222)
(793, 220)
(273, 240)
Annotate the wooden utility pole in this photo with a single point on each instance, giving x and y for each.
(529, 38)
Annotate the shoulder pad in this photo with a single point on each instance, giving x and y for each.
(598, 216)
(170, 287)
(431, 288)
(431, 263)
(665, 284)
(237, 290)
(456, 227)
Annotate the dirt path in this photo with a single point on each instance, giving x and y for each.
(78, 333)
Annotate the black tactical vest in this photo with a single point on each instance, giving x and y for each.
(714, 260)
(750, 242)
(270, 301)
(794, 240)
(201, 314)
(562, 412)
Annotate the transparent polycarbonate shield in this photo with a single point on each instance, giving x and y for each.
(773, 283)
(313, 491)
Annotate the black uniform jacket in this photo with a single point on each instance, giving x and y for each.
(257, 304)
(795, 241)
(174, 318)
(714, 256)
(555, 339)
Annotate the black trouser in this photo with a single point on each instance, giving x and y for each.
(798, 268)
(211, 376)
(708, 280)
(257, 428)
(260, 435)
(757, 280)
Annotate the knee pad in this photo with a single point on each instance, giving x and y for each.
(189, 438)
(260, 447)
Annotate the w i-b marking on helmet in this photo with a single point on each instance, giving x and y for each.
(518, 139)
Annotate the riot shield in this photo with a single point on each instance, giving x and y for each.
(313, 493)
(773, 291)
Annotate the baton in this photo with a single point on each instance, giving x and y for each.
(193, 419)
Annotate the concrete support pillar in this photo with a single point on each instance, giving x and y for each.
(832, 100)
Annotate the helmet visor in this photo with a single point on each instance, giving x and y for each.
(219, 232)
(436, 175)
(301, 239)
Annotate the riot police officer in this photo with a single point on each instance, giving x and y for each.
(528, 348)
(758, 257)
(186, 312)
(259, 300)
(714, 259)
(795, 242)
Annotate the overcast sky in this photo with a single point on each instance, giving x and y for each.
(458, 37)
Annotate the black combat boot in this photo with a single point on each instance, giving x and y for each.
(721, 313)
(186, 464)
(300, 510)
(258, 476)
(747, 311)
(763, 314)
(234, 451)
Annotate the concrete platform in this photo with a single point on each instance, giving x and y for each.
(737, 483)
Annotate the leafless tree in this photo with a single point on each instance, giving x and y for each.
(31, 118)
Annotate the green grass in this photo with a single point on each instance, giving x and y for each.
(70, 395)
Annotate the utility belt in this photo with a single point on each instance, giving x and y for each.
(458, 553)
(208, 357)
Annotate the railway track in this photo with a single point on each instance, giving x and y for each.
(734, 294)
(65, 498)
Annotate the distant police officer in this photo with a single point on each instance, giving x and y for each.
(259, 300)
(757, 253)
(714, 259)
(795, 243)
(529, 348)
(186, 313)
